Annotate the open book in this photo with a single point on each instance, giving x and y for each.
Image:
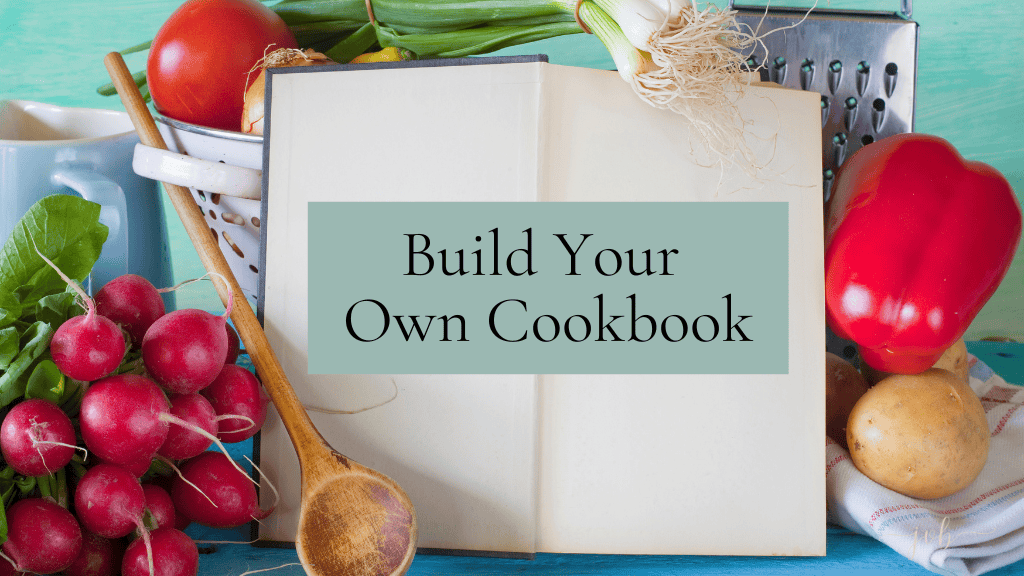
(647, 463)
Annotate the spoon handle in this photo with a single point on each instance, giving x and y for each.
(301, 430)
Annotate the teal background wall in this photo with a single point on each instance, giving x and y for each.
(969, 79)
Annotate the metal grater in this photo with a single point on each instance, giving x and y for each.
(864, 65)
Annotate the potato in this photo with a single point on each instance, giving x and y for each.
(922, 435)
(843, 387)
(953, 359)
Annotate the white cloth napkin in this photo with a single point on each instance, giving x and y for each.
(976, 530)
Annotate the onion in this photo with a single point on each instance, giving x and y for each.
(252, 110)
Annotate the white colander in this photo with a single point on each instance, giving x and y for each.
(223, 171)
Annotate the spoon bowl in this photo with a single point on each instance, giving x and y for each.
(379, 542)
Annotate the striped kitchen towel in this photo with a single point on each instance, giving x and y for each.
(976, 530)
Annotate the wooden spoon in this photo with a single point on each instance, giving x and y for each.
(352, 520)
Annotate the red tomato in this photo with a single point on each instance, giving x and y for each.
(199, 63)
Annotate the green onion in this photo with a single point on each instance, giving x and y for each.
(423, 16)
(638, 21)
(358, 42)
(109, 90)
(472, 41)
(137, 48)
(672, 53)
(322, 35)
(629, 61)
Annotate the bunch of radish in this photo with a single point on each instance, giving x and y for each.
(163, 410)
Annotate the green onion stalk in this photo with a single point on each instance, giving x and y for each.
(674, 54)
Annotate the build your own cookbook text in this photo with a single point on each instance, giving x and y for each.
(544, 287)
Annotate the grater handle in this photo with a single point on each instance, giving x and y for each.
(906, 8)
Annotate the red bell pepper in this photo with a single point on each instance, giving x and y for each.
(916, 241)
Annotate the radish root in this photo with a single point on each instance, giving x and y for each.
(231, 296)
(35, 445)
(186, 480)
(8, 558)
(364, 409)
(35, 434)
(144, 533)
(171, 418)
(225, 541)
(36, 442)
(274, 568)
(90, 305)
(277, 495)
(179, 285)
(251, 422)
(231, 293)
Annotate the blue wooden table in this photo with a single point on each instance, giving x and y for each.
(848, 553)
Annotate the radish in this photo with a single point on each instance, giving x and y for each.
(138, 467)
(217, 478)
(184, 442)
(180, 520)
(185, 350)
(174, 554)
(85, 347)
(237, 392)
(37, 438)
(42, 537)
(8, 569)
(99, 556)
(125, 420)
(120, 419)
(132, 302)
(160, 506)
(109, 501)
(234, 345)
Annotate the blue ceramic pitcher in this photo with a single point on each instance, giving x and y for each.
(47, 149)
